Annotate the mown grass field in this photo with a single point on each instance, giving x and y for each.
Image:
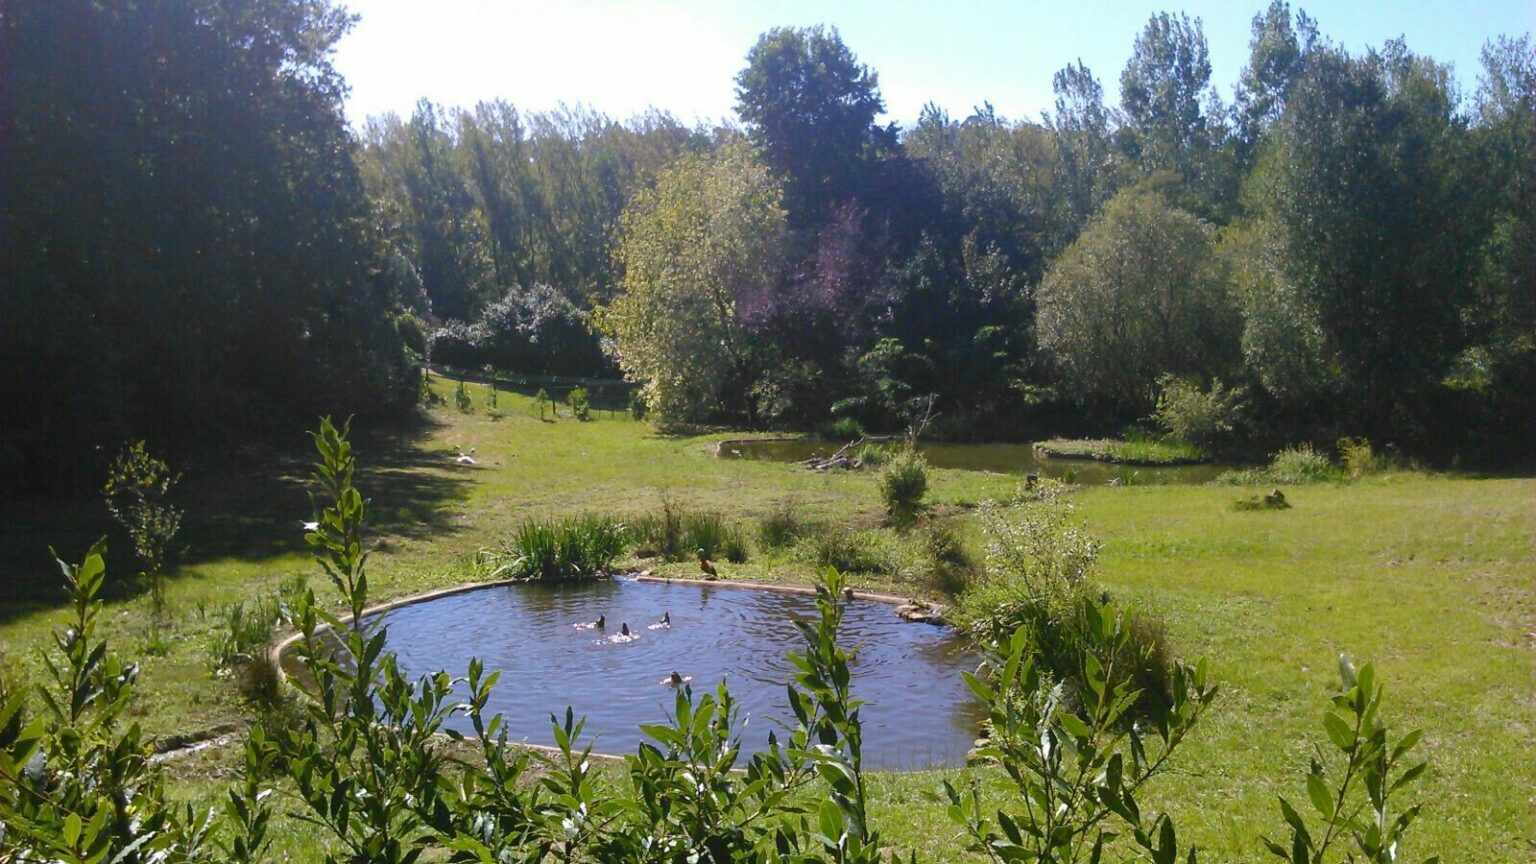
(1431, 577)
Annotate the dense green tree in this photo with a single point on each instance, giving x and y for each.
(706, 236)
(441, 231)
(1162, 92)
(1276, 58)
(1498, 363)
(1282, 341)
(185, 247)
(810, 106)
(1084, 135)
(1139, 294)
(1362, 191)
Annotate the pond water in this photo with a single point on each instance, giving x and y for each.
(999, 458)
(918, 711)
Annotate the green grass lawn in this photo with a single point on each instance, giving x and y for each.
(1433, 578)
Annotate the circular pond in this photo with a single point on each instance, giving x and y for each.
(918, 712)
(999, 458)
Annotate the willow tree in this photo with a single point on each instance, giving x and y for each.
(705, 238)
(1138, 294)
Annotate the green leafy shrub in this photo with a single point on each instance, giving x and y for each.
(77, 784)
(540, 399)
(903, 483)
(841, 429)
(1038, 581)
(14, 688)
(580, 403)
(1201, 417)
(637, 408)
(949, 566)
(137, 488)
(492, 402)
(425, 395)
(567, 548)
(848, 550)
(462, 400)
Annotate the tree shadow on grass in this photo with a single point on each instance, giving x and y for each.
(249, 505)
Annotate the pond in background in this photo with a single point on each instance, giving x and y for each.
(918, 712)
(999, 458)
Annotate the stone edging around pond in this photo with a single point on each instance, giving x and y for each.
(275, 656)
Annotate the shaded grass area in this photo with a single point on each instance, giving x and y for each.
(1432, 578)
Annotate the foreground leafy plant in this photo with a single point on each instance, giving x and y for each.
(1076, 763)
(1370, 760)
(74, 785)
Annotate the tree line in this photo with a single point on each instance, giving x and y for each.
(1343, 243)
(195, 244)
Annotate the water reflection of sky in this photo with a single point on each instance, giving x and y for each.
(917, 713)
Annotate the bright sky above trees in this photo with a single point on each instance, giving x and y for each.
(622, 57)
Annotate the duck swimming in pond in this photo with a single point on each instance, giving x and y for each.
(599, 624)
(675, 680)
(665, 623)
(624, 635)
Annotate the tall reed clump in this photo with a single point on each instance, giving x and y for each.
(678, 534)
(246, 626)
(708, 534)
(781, 527)
(573, 547)
(1357, 458)
(659, 534)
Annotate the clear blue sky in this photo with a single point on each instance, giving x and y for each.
(622, 57)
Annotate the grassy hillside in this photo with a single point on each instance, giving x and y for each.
(1433, 578)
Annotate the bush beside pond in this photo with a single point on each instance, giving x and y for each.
(572, 547)
(1132, 450)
